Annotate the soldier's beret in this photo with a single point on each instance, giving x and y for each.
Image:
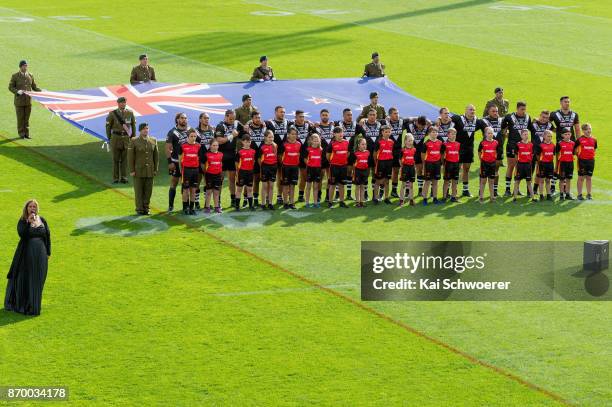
(22, 63)
(499, 89)
(142, 126)
(373, 95)
(263, 58)
(121, 100)
(374, 55)
(143, 56)
(245, 97)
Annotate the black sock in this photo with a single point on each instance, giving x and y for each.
(535, 189)
(349, 186)
(394, 188)
(301, 194)
(233, 199)
(185, 205)
(508, 181)
(250, 199)
(171, 196)
(420, 182)
(197, 195)
(465, 186)
(495, 188)
(191, 205)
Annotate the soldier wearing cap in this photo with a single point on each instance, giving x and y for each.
(243, 113)
(143, 72)
(120, 127)
(263, 72)
(143, 158)
(374, 69)
(380, 110)
(499, 101)
(22, 82)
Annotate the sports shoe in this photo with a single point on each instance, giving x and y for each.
(292, 206)
(218, 209)
(186, 211)
(436, 201)
(561, 196)
(580, 197)
(330, 204)
(264, 207)
(300, 199)
(454, 199)
(343, 205)
(237, 208)
(207, 211)
(411, 203)
(375, 201)
(348, 197)
(394, 194)
(285, 206)
(514, 200)
(466, 193)
(244, 203)
(279, 200)
(317, 205)
(589, 197)
(192, 211)
(270, 207)
(568, 197)
(549, 197)
(115, 181)
(387, 201)
(507, 193)
(401, 203)
(197, 206)
(170, 209)
(424, 201)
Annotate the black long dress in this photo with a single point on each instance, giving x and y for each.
(28, 272)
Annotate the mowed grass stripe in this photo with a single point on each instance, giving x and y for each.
(323, 288)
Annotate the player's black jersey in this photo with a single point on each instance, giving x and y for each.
(280, 129)
(515, 124)
(465, 129)
(370, 131)
(443, 129)
(205, 137)
(326, 131)
(419, 134)
(537, 130)
(495, 124)
(225, 130)
(397, 128)
(562, 120)
(176, 137)
(256, 133)
(304, 131)
(349, 128)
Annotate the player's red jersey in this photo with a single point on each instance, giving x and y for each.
(524, 152)
(339, 152)
(451, 151)
(362, 159)
(488, 151)
(565, 151)
(546, 152)
(191, 155)
(433, 151)
(268, 154)
(408, 156)
(314, 157)
(291, 153)
(246, 159)
(385, 149)
(586, 147)
(214, 162)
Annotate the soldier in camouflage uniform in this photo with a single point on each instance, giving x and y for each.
(120, 127)
(499, 101)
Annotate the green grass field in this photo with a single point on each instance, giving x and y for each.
(264, 309)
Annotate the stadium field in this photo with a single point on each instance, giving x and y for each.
(264, 308)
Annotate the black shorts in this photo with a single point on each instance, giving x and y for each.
(313, 174)
(451, 171)
(500, 149)
(417, 153)
(190, 177)
(337, 175)
(244, 178)
(228, 163)
(466, 154)
(432, 170)
(586, 167)
(213, 181)
(360, 177)
(408, 173)
(523, 171)
(511, 149)
(268, 172)
(487, 170)
(290, 174)
(383, 169)
(566, 169)
(397, 155)
(176, 173)
(324, 162)
(546, 169)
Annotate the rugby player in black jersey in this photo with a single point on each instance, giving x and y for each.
(304, 128)
(493, 121)
(538, 128)
(280, 126)
(226, 133)
(348, 126)
(466, 127)
(256, 129)
(514, 123)
(175, 137)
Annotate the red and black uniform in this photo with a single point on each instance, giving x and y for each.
(433, 159)
(565, 159)
(361, 163)
(269, 160)
(214, 168)
(524, 155)
(338, 160)
(408, 160)
(290, 160)
(585, 150)
(546, 154)
(313, 160)
(383, 152)
(192, 156)
(451, 160)
(245, 163)
(488, 156)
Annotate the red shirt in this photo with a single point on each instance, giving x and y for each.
(246, 159)
(362, 159)
(488, 151)
(314, 157)
(339, 152)
(268, 154)
(408, 156)
(433, 151)
(385, 149)
(191, 155)
(524, 152)
(586, 147)
(214, 162)
(547, 152)
(565, 151)
(451, 151)
(291, 153)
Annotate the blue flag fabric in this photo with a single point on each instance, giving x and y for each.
(157, 103)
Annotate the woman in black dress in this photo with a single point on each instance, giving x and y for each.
(28, 272)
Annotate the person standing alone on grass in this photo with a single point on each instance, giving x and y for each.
(22, 82)
(143, 159)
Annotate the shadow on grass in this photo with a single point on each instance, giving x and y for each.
(9, 317)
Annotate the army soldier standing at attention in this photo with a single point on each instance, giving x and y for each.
(263, 72)
(380, 110)
(499, 101)
(244, 112)
(143, 157)
(143, 72)
(120, 127)
(374, 69)
(22, 82)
